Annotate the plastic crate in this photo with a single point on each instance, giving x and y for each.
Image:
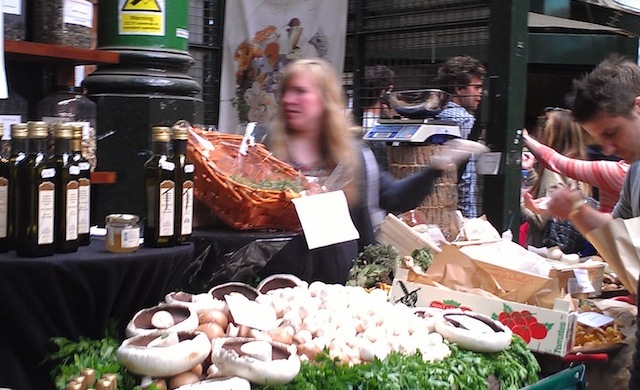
(572, 378)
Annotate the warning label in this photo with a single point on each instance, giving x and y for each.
(142, 17)
(142, 5)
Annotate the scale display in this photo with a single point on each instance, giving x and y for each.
(412, 131)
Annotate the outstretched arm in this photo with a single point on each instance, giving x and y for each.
(607, 176)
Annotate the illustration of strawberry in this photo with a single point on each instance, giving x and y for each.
(522, 331)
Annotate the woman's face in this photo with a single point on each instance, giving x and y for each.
(302, 103)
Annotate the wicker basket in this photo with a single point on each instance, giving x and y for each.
(217, 177)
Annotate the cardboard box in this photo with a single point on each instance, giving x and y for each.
(559, 322)
(394, 232)
(580, 280)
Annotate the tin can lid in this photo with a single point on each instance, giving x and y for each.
(121, 219)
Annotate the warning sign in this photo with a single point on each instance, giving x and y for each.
(142, 17)
(142, 5)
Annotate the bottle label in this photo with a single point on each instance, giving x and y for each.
(78, 12)
(71, 211)
(46, 207)
(74, 170)
(167, 166)
(84, 200)
(48, 173)
(187, 208)
(84, 166)
(130, 237)
(167, 208)
(4, 206)
(189, 168)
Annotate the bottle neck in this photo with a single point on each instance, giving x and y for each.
(37, 145)
(18, 145)
(179, 146)
(76, 146)
(160, 147)
(63, 145)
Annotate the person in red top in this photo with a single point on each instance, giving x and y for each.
(605, 175)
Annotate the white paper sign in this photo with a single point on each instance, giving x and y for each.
(581, 283)
(489, 163)
(594, 319)
(325, 219)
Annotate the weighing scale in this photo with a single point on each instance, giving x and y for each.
(428, 130)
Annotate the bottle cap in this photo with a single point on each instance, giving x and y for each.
(38, 129)
(64, 130)
(160, 133)
(121, 219)
(19, 130)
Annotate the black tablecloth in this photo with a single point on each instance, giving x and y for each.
(72, 295)
(223, 255)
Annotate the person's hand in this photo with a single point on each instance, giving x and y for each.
(538, 206)
(562, 200)
(457, 151)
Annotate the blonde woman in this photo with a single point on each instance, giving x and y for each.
(311, 132)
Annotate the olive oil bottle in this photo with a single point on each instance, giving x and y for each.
(84, 187)
(19, 148)
(36, 176)
(183, 178)
(160, 192)
(66, 200)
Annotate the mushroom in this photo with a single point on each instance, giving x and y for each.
(145, 355)
(474, 331)
(218, 292)
(198, 302)
(276, 281)
(229, 356)
(160, 317)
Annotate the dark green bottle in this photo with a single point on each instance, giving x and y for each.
(160, 192)
(84, 188)
(66, 218)
(19, 148)
(36, 176)
(183, 178)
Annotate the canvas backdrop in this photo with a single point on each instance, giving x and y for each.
(260, 38)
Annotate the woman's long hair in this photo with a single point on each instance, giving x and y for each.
(562, 133)
(337, 142)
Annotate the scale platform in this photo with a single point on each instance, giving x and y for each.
(413, 130)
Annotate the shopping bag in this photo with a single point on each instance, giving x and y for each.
(620, 248)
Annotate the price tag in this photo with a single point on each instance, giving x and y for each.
(325, 219)
(581, 283)
(594, 319)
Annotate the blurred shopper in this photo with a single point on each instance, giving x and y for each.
(607, 176)
(564, 136)
(378, 79)
(462, 77)
(310, 132)
(607, 105)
